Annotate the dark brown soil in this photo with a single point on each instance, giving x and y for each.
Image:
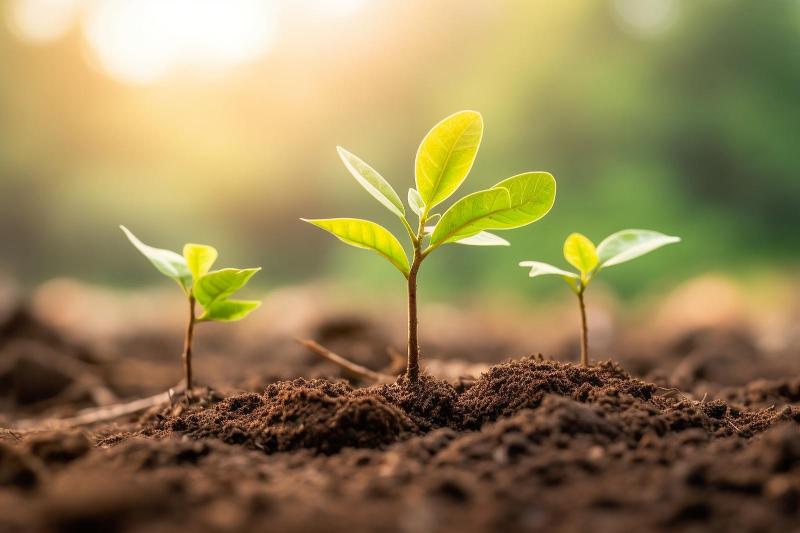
(532, 444)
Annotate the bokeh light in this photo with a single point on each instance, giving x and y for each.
(41, 21)
(144, 40)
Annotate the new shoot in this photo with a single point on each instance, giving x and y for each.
(443, 160)
(581, 253)
(212, 289)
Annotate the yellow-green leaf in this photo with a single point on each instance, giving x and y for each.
(580, 252)
(199, 258)
(629, 244)
(446, 155)
(512, 203)
(367, 235)
(216, 286)
(373, 182)
(169, 263)
(229, 310)
(544, 269)
(415, 202)
(484, 238)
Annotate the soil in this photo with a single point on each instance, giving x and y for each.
(529, 444)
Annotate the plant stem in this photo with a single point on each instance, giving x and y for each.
(584, 330)
(412, 370)
(187, 346)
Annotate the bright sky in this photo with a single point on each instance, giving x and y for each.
(142, 41)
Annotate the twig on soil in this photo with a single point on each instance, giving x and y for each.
(100, 414)
(352, 368)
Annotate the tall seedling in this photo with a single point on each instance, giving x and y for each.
(443, 160)
(212, 289)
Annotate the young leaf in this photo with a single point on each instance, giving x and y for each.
(199, 258)
(167, 262)
(229, 310)
(629, 244)
(373, 182)
(216, 286)
(446, 155)
(543, 269)
(580, 252)
(512, 203)
(484, 238)
(367, 235)
(415, 202)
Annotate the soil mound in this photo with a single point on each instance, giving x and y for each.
(321, 415)
(327, 416)
(431, 403)
(522, 384)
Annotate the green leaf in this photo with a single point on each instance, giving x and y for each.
(229, 310)
(446, 155)
(373, 182)
(629, 244)
(415, 202)
(216, 286)
(367, 235)
(169, 263)
(512, 203)
(199, 258)
(543, 269)
(580, 252)
(484, 238)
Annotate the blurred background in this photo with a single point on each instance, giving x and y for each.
(216, 121)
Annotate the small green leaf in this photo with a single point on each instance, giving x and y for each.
(484, 238)
(415, 202)
(446, 155)
(629, 244)
(373, 182)
(229, 310)
(512, 203)
(216, 286)
(580, 252)
(543, 269)
(367, 235)
(199, 258)
(169, 263)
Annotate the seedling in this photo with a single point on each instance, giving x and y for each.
(443, 160)
(211, 288)
(581, 253)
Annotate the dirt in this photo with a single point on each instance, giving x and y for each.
(530, 444)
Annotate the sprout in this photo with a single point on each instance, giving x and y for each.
(443, 161)
(581, 253)
(212, 289)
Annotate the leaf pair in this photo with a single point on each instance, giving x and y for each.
(615, 249)
(443, 160)
(192, 272)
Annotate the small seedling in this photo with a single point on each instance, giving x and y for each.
(211, 288)
(581, 253)
(443, 160)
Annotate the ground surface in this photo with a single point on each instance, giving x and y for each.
(684, 433)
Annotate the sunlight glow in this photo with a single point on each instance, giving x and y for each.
(141, 41)
(41, 21)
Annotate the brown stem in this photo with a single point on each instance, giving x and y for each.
(584, 332)
(351, 367)
(97, 415)
(187, 346)
(412, 370)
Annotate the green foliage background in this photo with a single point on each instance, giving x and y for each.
(692, 131)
